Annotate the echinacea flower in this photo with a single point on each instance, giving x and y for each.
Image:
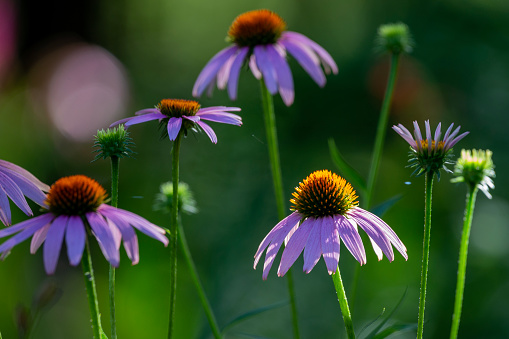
(76, 207)
(325, 211)
(430, 155)
(16, 183)
(475, 168)
(260, 37)
(180, 114)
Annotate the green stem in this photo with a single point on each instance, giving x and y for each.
(174, 232)
(462, 265)
(425, 251)
(197, 283)
(88, 272)
(343, 304)
(381, 129)
(114, 203)
(272, 143)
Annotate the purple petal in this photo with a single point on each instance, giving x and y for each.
(130, 240)
(146, 111)
(446, 136)
(296, 245)
(27, 187)
(438, 133)
(209, 131)
(53, 243)
(193, 118)
(254, 68)
(455, 141)
(44, 219)
(377, 249)
(233, 79)
(5, 210)
(39, 238)
(210, 70)
(13, 191)
(105, 237)
(418, 136)
(174, 125)
(351, 238)
(223, 117)
(121, 121)
(217, 109)
(313, 248)
(266, 67)
(328, 63)
(330, 244)
(42, 186)
(405, 134)
(284, 75)
(75, 238)
(224, 73)
(144, 118)
(428, 136)
(307, 60)
(28, 228)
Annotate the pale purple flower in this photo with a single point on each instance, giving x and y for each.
(178, 114)
(325, 211)
(260, 39)
(16, 183)
(76, 206)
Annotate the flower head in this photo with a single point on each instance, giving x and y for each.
(260, 38)
(325, 211)
(16, 183)
(475, 168)
(430, 155)
(178, 114)
(394, 38)
(76, 207)
(164, 199)
(113, 142)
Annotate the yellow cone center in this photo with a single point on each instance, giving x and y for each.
(176, 108)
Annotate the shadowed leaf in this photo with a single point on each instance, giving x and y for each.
(251, 314)
(345, 169)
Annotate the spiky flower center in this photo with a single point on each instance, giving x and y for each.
(176, 108)
(259, 27)
(75, 195)
(434, 147)
(323, 193)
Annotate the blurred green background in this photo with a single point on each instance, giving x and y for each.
(70, 68)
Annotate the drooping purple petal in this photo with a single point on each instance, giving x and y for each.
(53, 243)
(284, 225)
(147, 111)
(208, 130)
(75, 238)
(266, 67)
(377, 249)
(130, 240)
(217, 109)
(42, 186)
(233, 79)
(211, 69)
(144, 118)
(328, 63)
(330, 244)
(313, 248)
(27, 228)
(296, 245)
(223, 117)
(307, 60)
(13, 191)
(44, 219)
(193, 118)
(174, 125)
(105, 237)
(284, 75)
(5, 210)
(351, 238)
(38, 238)
(224, 73)
(254, 68)
(120, 122)
(27, 187)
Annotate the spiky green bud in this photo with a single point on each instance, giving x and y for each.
(164, 199)
(394, 38)
(475, 168)
(114, 142)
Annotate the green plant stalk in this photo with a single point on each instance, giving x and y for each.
(462, 264)
(174, 232)
(197, 283)
(425, 251)
(343, 304)
(381, 129)
(272, 143)
(88, 273)
(114, 202)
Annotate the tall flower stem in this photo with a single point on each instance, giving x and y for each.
(174, 232)
(462, 264)
(272, 143)
(425, 251)
(343, 304)
(114, 203)
(88, 273)
(197, 283)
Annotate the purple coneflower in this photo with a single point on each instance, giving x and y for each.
(325, 210)
(75, 206)
(260, 36)
(186, 114)
(16, 183)
(430, 155)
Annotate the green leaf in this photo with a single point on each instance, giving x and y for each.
(386, 205)
(345, 169)
(395, 328)
(251, 314)
(374, 334)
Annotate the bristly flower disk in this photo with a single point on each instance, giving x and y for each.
(113, 142)
(179, 114)
(75, 207)
(394, 38)
(260, 38)
(475, 168)
(325, 211)
(430, 155)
